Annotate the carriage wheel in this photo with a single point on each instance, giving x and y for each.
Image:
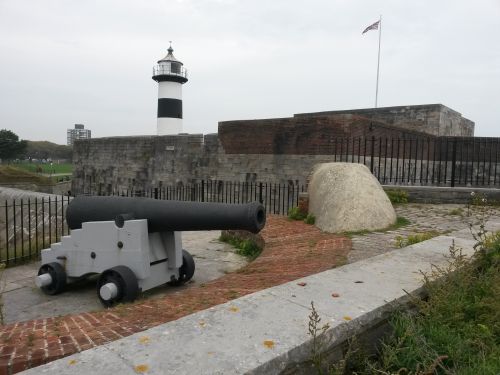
(116, 285)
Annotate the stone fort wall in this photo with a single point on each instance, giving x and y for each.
(277, 150)
(434, 119)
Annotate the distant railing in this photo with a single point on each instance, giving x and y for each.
(160, 70)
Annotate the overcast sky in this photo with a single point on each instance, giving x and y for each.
(66, 61)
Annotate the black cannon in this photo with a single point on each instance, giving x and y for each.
(135, 243)
(167, 215)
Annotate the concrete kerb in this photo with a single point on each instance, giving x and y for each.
(266, 332)
(444, 194)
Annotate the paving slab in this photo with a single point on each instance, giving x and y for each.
(441, 218)
(264, 332)
(86, 364)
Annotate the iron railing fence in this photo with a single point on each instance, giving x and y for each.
(29, 225)
(442, 161)
(277, 198)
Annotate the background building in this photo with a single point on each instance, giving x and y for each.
(79, 132)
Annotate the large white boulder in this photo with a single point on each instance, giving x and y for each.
(346, 197)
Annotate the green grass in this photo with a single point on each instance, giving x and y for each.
(9, 174)
(66, 168)
(415, 238)
(397, 196)
(400, 222)
(244, 247)
(455, 330)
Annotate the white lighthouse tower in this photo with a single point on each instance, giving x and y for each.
(170, 75)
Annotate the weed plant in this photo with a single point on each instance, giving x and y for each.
(244, 247)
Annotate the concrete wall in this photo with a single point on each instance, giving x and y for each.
(446, 195)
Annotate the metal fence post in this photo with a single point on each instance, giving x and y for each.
(453, 162)
(373, 151)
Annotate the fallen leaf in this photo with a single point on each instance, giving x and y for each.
(234, 309)
(141, 369)
(269, 344)
(302, 284)
(144, 339)
(202, 323)
(72, 362)
(347, 318)
(335, 295)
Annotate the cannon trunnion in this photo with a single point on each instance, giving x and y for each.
(134, 243)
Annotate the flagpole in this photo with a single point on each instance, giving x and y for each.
(378, 61)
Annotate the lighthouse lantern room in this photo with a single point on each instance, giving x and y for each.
(170, 75)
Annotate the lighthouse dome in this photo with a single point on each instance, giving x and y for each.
(170, 69)
(170, 57)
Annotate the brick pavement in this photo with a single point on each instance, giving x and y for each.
(293, 250)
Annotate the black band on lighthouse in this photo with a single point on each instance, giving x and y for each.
(168, 107)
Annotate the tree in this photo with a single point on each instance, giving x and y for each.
(10, 145)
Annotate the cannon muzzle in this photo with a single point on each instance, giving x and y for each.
(167, 215)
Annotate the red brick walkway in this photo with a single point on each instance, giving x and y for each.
(293, 250)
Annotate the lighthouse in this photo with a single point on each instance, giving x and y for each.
(170, 75)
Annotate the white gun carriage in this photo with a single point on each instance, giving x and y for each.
(134, 244)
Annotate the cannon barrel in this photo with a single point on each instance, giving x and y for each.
(167, 215)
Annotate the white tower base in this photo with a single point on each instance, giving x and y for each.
(168, 126)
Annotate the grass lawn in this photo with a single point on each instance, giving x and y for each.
(66, 168)
(12, 175)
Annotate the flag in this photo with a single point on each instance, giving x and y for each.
(372, 27)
